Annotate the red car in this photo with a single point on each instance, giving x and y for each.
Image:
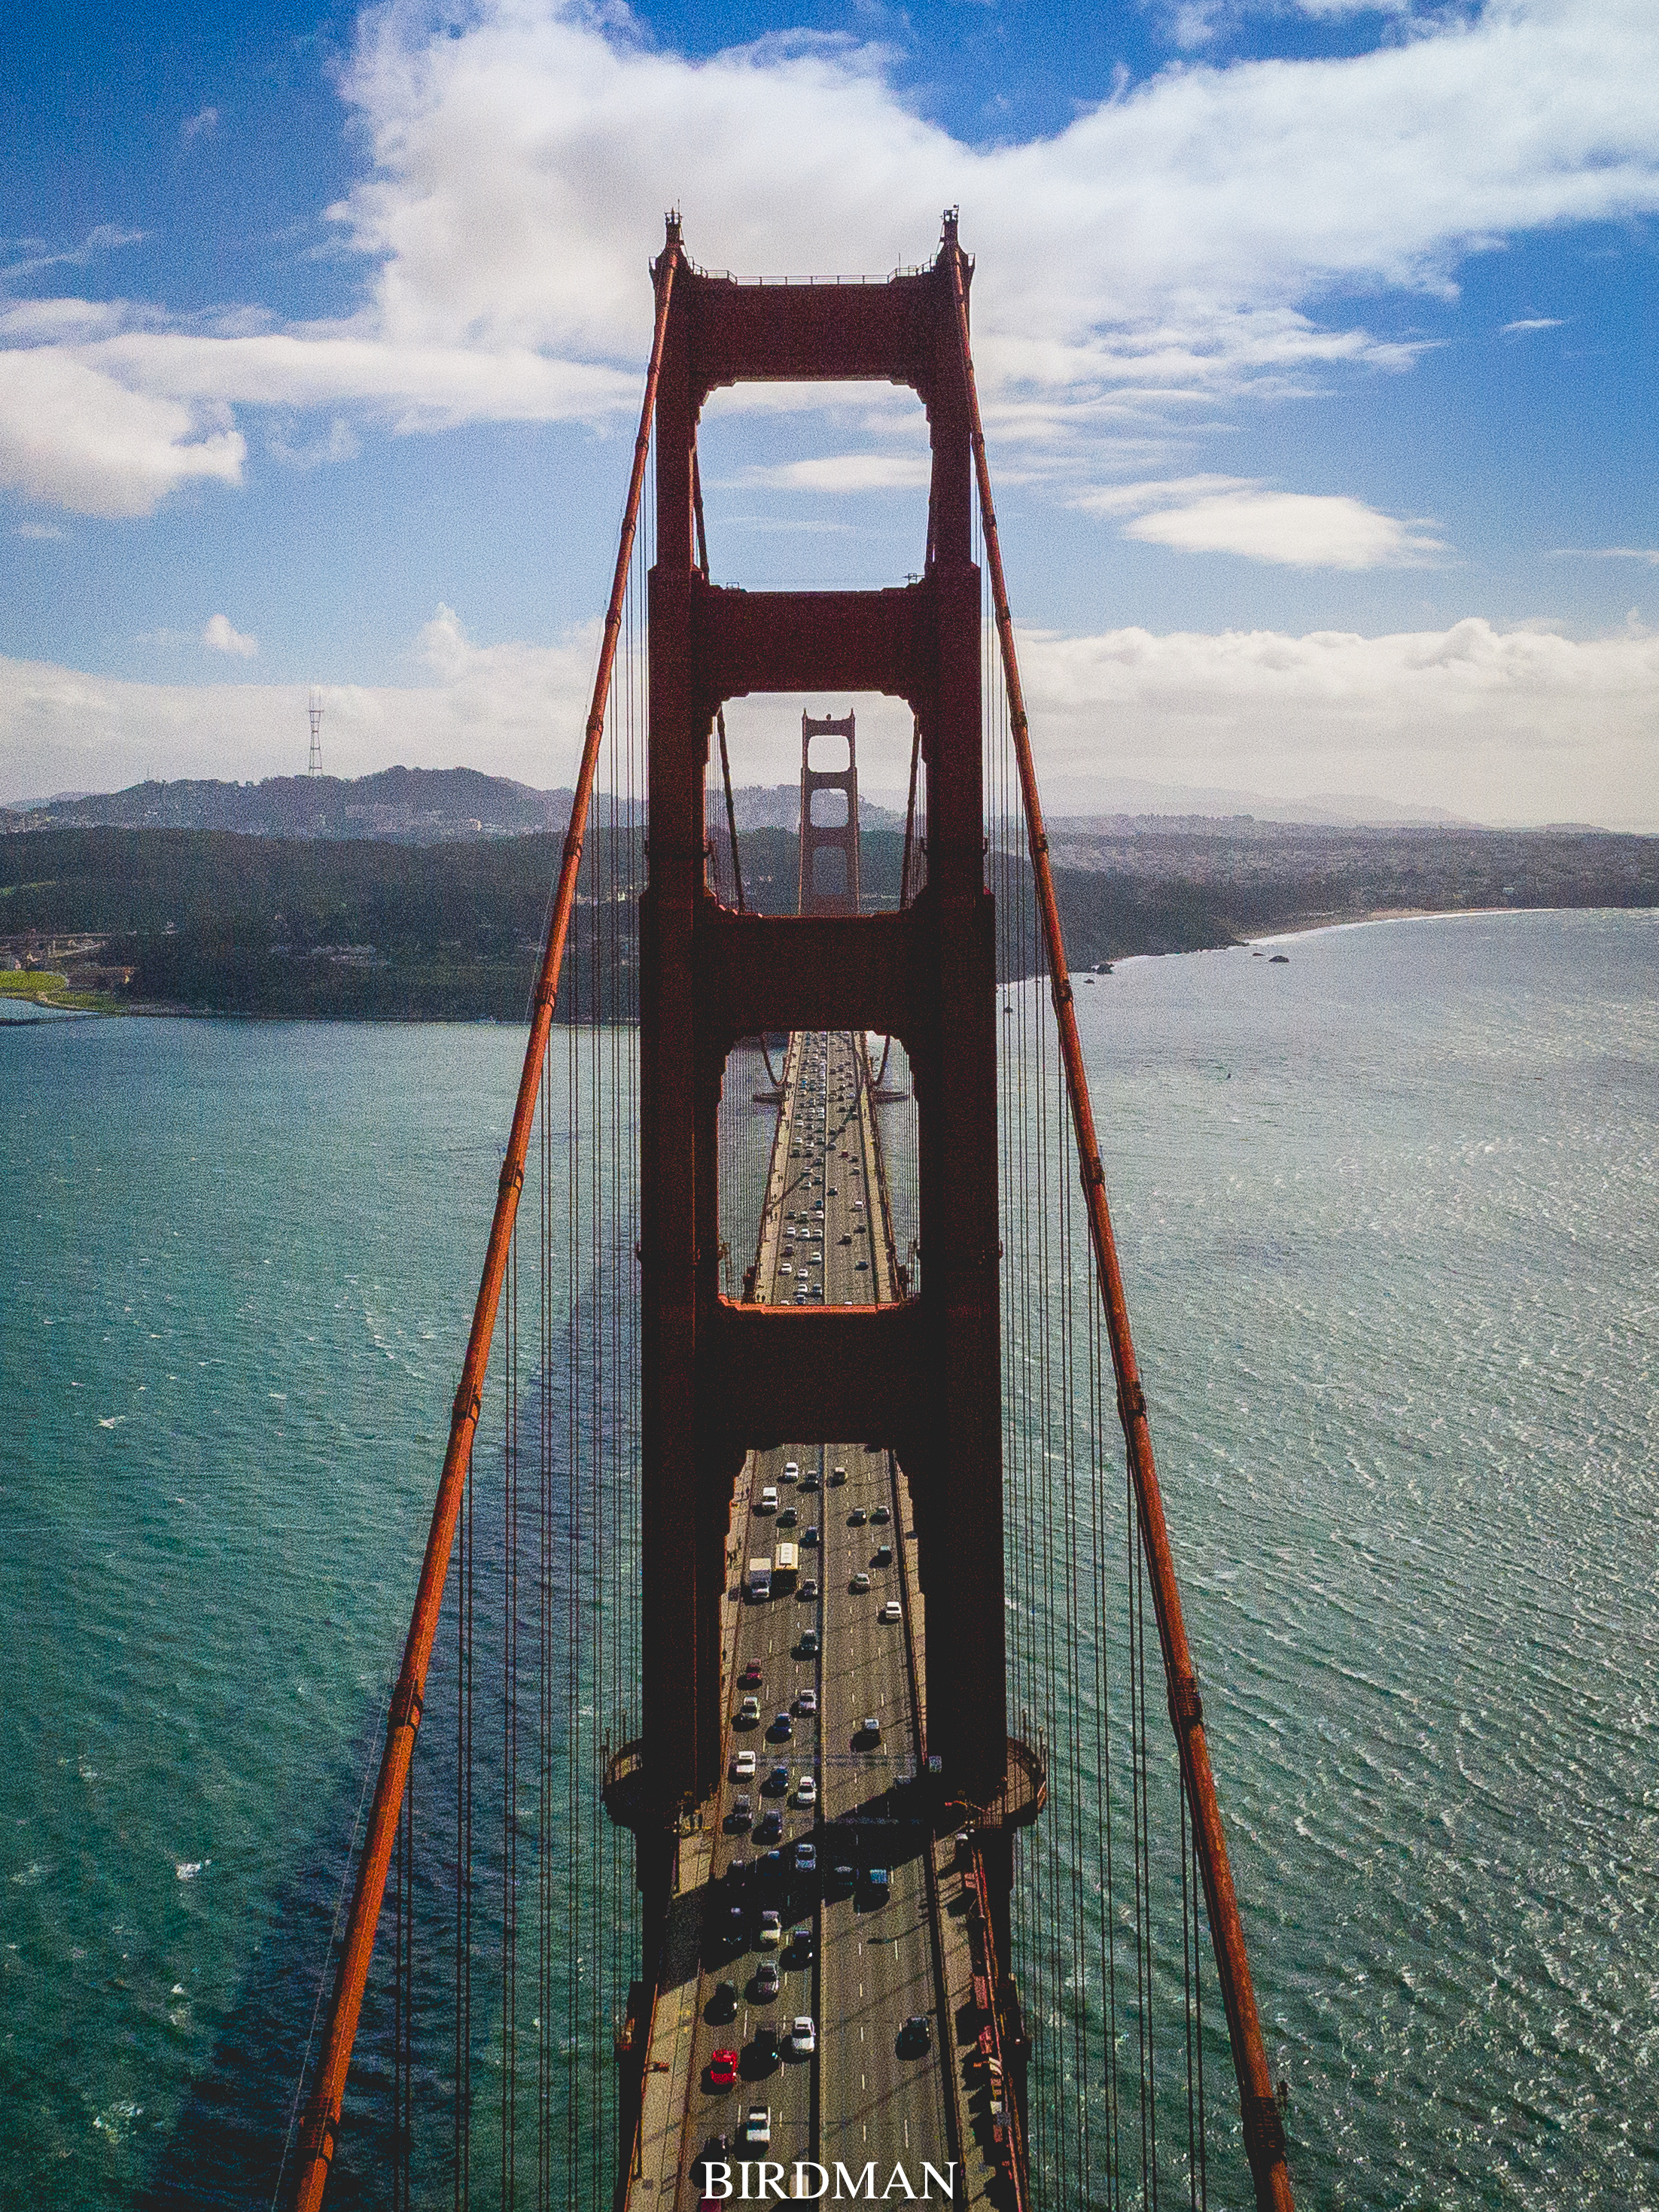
(751, 1675)
(723, 2070)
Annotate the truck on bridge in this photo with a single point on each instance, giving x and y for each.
(758, 1582)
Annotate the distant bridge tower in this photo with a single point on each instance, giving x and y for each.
(829, 891)
(314, 765)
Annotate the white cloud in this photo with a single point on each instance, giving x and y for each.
(1299, 530)
(218, 633)
(102, 237)
(1529, 323)
(1176, 243)
(519, 167)
(835, 473)
(203, 124)
(82, 441)
(510, 710)
(1650, 554)
(1499, 725)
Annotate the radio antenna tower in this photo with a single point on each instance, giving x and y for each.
(314, 765)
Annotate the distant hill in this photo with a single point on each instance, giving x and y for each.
(448, 929)
(777, 806)
(408, 805)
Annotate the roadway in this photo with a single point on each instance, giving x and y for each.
(856, 1956)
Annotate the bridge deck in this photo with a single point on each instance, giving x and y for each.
(857, 1960)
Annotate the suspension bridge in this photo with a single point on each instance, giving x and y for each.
(796, 1782)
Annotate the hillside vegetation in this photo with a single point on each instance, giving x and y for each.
(218, 922)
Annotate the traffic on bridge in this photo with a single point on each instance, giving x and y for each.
(821, 2029)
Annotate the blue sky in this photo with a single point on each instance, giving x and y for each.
(1316, 341)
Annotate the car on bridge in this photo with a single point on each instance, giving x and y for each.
(880, 1517)
(803, 2036)
(861, 1580)
(857, 1517)
(768, 1980)
(776, 1784)
(748, 1713)
(806, 1857)
(809, 1645)
(743, 1767)
(838, 1475)
(916, 2034)
(792, 1470)
(723, 2005)
(807, 1588)
(883, 1556)
(808, 1704)
(771, 1929)
(783, 1727)
(757, 2128)
(869, 1729)
(723, 2070)
(892, 1610)
(808, 1536)
(878, 1884)
(806, 1793)
(769, 1499)
(741, 1813)
(769, 1829)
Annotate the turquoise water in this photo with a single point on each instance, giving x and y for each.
(1388, 1215)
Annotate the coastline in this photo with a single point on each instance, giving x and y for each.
(1322, 924)
(57, 1000)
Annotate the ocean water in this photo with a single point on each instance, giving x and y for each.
(1390, 1222)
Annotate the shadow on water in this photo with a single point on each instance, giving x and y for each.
(227, 2145)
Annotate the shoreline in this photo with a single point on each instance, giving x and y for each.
(54, 1008)
(1369, 920)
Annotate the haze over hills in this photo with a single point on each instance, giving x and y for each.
(428, 805)
(409, 806)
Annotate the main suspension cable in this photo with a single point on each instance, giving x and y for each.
(1264, 2138)
(322, 2118)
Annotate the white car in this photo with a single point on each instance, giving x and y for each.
(892, 1610)
(769, 1499)
(860, 1581)
(771, 1930)
(870, 1727)
(757, 2128)
(791, 1467)
(803, 2036)
(807, 1702)
(807, 1793)
(743, 1767)
(786, 1269)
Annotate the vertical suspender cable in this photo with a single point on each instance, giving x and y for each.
(719, 711)
(322, 2117)
(1264, 2139)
